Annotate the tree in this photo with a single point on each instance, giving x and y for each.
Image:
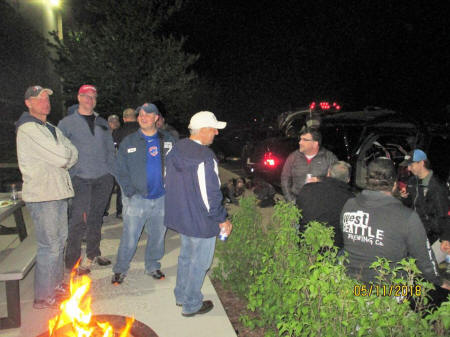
(23, 62)
(128, 56)
(23, 56)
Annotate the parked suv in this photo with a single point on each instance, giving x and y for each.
(356, 137)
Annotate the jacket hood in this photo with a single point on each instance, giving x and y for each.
(72, 109)
(27, 118)
(369, 198)
(188, 153)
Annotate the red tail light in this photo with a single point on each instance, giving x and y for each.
(270, 160)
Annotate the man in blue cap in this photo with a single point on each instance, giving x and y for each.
(426, 195)
(140, 173)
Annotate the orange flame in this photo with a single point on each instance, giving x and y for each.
(77, 312)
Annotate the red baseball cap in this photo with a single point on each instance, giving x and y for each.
(87, 88)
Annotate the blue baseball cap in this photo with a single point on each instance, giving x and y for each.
(148, 108)
(415, 156)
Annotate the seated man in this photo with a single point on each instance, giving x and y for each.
(323, 201)
(375, 224)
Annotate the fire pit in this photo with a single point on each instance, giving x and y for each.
(76, 319)
(138, 329)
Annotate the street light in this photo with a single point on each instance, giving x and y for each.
(56, 5)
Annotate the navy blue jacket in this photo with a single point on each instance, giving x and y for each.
(132, 162)
(193, 197)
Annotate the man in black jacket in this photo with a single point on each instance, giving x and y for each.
(375, 224)
(129, 126)
(426, 195)
(323, 201)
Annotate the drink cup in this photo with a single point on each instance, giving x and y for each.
(223, 236)
(14, 196)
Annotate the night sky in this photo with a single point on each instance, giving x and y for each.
(271, 56)
(274, 56)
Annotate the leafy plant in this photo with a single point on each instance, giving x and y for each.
(241, 256)
(299, 287)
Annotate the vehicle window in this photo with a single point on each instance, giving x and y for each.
(336, 140)
(392, 146)
(438, 152)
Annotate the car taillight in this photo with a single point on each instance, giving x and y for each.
(270, 160)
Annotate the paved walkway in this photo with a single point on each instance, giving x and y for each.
(149, 301)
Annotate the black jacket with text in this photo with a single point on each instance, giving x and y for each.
(375, 224)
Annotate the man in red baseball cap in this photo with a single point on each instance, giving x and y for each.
(92, 178)
(87, 89)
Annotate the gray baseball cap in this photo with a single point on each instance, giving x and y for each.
(35, 90)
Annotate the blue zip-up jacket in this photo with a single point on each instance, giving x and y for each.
(132, 162)
(95, 151)
(193, 204)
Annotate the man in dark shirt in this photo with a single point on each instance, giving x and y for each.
(129, 126)
(426, 195)
(375, 224)
(92, 179)
(323, 201)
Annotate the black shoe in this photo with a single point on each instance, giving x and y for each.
(157, 275)
(83, 271)
(102, 261)
(50, 303)
(179, 304)
(117, 278)
(119, 215)
(62, 291)
(206, 307)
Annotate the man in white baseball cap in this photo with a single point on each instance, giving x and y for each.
(205, 119)
(194, 209)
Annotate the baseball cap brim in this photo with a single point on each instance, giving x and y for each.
(35, 91)
(220, 125)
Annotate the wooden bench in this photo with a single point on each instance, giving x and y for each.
(13, 268)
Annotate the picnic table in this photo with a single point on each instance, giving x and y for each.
(16, 210)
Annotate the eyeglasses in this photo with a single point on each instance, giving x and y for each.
(305, 140)
(89, 96)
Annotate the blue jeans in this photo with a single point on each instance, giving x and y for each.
(195, 258)
(50, 222)
(137, 213)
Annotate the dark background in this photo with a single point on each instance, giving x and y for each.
(272, 56)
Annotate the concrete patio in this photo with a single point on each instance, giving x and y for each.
(149, 301)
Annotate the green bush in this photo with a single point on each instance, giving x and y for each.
(240, 257)
(298, 285)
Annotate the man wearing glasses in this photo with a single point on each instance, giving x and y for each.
(91, 178)
(305, 165)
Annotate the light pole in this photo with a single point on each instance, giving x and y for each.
(55, 5)
(54, 22)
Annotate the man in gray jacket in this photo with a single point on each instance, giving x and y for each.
(306, 164)
(375, 224)
(44, 157)
(91, 177)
